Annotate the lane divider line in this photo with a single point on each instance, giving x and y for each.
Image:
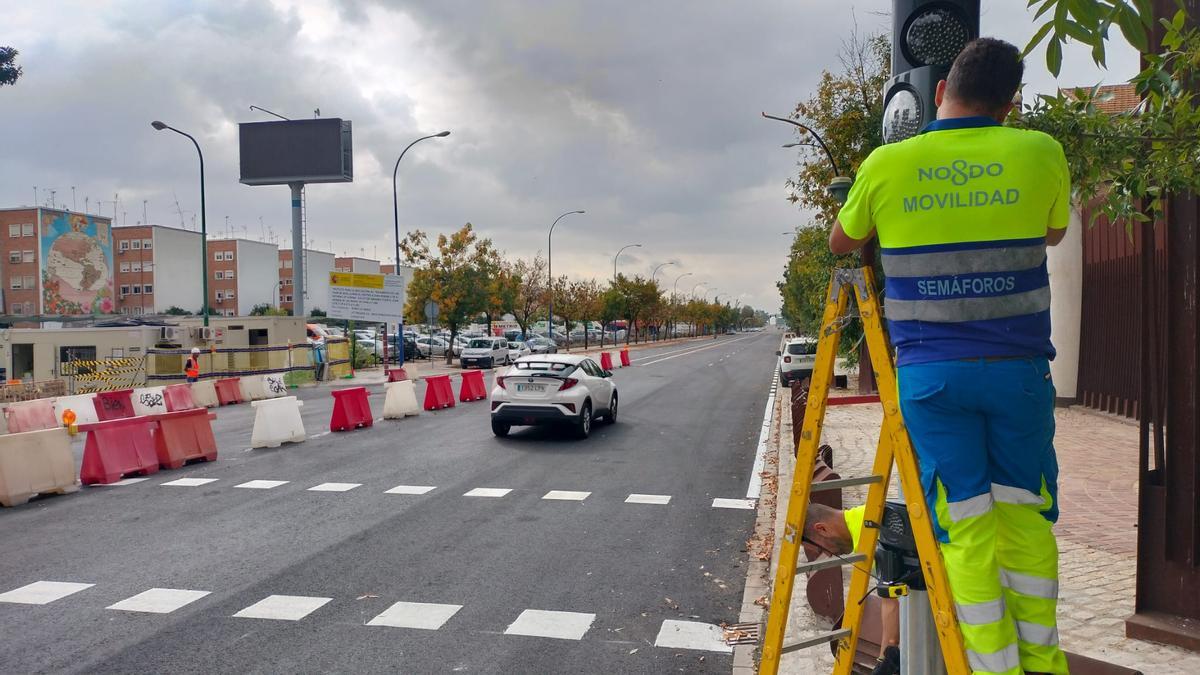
(754, 489)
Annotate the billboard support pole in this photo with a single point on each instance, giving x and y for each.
(297, 249)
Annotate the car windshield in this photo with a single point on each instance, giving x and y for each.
(480, 343)
(550, 366)
(802, 348)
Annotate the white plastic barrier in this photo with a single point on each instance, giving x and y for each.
(81, 404)
(400, 400)
(616, 360)
(277, 421)
(149, 401)
(253, 387)
(35, 462)
(274, 385)
(204, 394)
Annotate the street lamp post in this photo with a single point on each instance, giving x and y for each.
(396, 225)
(674, 292)
(550, 280)
(619, 255)
(203, 223)
(656, 269)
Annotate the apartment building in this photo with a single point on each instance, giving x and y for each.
(242, 274)
(355, 264)
(55, 262)
(141, 252)
(318, 265)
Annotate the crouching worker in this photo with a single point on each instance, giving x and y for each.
(835, 533)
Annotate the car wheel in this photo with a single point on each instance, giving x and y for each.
(583, 427)
(612, 410)
(782, 380)
(501, 429)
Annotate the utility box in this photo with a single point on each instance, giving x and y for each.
(296, 151)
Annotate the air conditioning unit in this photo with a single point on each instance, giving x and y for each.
(208, 334)
(170, 334)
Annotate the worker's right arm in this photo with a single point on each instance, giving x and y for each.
(1060, 212)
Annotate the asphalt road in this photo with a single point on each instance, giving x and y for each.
(509, 584)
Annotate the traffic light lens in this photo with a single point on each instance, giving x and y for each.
(902, 116)
(935, 36)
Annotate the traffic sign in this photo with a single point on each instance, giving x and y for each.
(431, 310)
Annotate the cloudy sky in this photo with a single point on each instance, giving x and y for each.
(643, 113)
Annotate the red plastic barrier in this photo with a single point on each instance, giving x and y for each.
(396, 375)
(114, 405)
(438, 392)
(183, 436)
(472, 388)
(624, 358)
(606, 360)
(115, 448)
(350, 409)
(34, 415)
(228, 391)
(179, 397)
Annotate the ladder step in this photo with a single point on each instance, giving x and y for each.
(826, 563)
(840, 483)
(820, 639)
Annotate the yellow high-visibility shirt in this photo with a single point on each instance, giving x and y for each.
(854, 522)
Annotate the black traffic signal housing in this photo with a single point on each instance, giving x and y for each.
(927, 35)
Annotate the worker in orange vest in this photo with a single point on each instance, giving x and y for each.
(191, 367)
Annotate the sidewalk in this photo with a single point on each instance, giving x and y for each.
(1096, 531)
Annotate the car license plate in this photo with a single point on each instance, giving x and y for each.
(531, 387)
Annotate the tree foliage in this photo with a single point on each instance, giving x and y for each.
(10, 72)
(530, 301)
(1088, 22)
(174, 310)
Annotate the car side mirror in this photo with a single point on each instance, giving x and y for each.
(778, 353)
(608, 373)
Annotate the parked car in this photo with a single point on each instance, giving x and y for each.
(460, 342)
(432, 346)
(517, 349)
(562, 389)
(411, 352)
(540, 345)
(485, 353)
(796, 360)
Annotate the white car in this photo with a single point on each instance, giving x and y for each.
(796, 360)
(485, 352)
(432, 346)
(553, 389)
(517, 349)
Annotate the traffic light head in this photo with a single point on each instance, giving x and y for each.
(927, 35)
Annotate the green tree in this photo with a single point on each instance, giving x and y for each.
(264, 309)
(1088, 22)
(454, 275)
(637, 296)
(502, 290)
(530, 301)
(10, 72)
(177, 311)
(317, 312)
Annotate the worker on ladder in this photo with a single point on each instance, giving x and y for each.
(964, 212)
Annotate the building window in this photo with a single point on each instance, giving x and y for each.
(124, 267)
(27, 256)
(287, 264)
(148, 267)
(147, 243)
(137, 267)
(136, 244)
(14, 256)
(28, 281)
(228, 295)
(218, 275)
(287, 282)
(124, 246)
(217, 257)
(220, 295)
(228, 274)
(229, 255)
(148, 288)
(27, 230)
(287, 298)
(137, 290)
(14, 230)
(139, 309)
(124, 310)
(124, 291)
(14, 283)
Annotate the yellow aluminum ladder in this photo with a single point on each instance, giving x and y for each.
(894, 444)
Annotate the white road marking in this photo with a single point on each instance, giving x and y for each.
(487, 492)
(692, 635)
(283, 607)
(721, 503)
(754, 488)
(190, 482)
(124, 481)
(334, 487)
(261, 484)
(410, 490)
(42, 592)
(159, 600)
(323, 433)
(544, 623)
(422, 615)
(648, 499)
(690, 351)
(566, 495)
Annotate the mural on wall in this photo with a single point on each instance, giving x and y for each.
(77, 264)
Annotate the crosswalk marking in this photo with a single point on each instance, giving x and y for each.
(261, 484)
(721, 503)
(283, 607)
(42, 592)
(422, 615)
(334, 487)
(190, 482)
(410, 490)
(551, 624)
(159, 600)
(487, 492)
(691, 635)
(124, 481)
(566, 495)
(648, 499)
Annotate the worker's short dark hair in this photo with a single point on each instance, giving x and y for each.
(986, 74)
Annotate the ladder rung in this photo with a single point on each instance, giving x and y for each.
(840, 483)
(823, 638)
(826, 563)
